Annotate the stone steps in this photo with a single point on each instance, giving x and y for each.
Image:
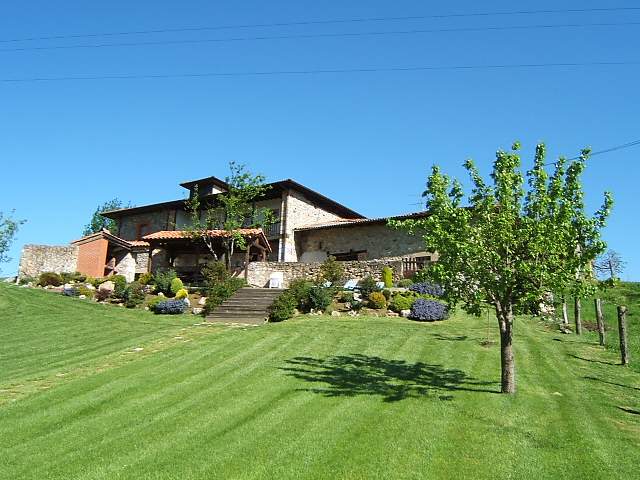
(248, 305)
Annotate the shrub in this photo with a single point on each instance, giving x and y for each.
(28, 279)
(300, 289)
(73, 277)
(332, 270)
(87, 292)
(102, 295)
(50, 279)
(387, 294)
(428, 310)
(367, 286)
(163, 281)
(320, 297)
(120, 285)
(154, 302)
(222, 291)
(134, 295)
(214, 273)
(345, 297)
(401, 302)
(176, 285)
(283, 307)
(426, 288)
(145, 279)
(387, 277)
(181, 294)
(170, 307)
(421, 276)
(405, 283)
(377, 300)
(355, 305)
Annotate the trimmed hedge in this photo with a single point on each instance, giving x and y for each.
(426, 288)
(428, 310)
(283, 307)
(170, 307)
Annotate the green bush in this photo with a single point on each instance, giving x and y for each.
(134, 295)
(283, 307)
(222, 291)
(155, 301)
(320, 297)
(163, 281)
(87, 292)
(405, 283)
(377, 300)
(331, 270)
(52, 279)
(421, 276)
(28, 279)
(120, 285)
(300, 289)
(401, 302)
(367, 286)
(176, 285)
(387, 294)
(387, 277)
(345, 297)
(145, 279)
(214, 273)
(181, 294)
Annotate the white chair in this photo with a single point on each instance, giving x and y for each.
(276, 280)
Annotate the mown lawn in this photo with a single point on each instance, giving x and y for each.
(315, 397)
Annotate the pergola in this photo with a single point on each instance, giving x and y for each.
(179, 242)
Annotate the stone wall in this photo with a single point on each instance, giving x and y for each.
(36, 259)
(149, 222)
(378, 240)
(259, 272)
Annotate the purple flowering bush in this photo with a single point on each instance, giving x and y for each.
(425, 288)
(428, 310)
(170, 307)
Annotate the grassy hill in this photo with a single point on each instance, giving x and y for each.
(90, 391)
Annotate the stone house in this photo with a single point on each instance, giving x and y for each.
(309, 228)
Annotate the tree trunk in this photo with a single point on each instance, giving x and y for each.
(622, 329)
(577, 312)
(565, 315)
(507, 361)
(600, 320)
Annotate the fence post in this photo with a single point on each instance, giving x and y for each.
(622, 329)
(600, 320)
(577, 312)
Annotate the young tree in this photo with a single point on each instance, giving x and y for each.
(507, 247)
(98, 222)
(609, 264)
(8, 228)
(230, 211)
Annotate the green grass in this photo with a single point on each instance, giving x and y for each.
(315, 397)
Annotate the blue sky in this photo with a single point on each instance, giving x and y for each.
(365, 139)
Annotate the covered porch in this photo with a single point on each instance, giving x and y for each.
(186, 253)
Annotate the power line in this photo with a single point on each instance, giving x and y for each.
(316, 72)
(600, 152)
(320, 35)
(320, 22)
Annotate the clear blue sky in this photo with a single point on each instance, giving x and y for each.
(365, 139)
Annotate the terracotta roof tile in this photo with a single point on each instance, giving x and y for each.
(182, 234)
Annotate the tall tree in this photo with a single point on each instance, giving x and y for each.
(8, 228)
(231, 211)
(609, 264)
(510, 245)
(98, 222)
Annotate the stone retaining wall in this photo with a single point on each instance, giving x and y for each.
(259, 272)
(36, 259)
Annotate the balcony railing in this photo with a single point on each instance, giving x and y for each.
(273, 230)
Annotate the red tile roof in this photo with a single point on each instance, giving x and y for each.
(182, 234)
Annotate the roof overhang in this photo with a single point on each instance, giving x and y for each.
(345, 223)
(182, 236)
(105, 234)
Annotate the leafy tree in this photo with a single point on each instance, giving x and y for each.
(98, 222)
(8, 228)
(509, 247)
(230, 211)
(610, 264)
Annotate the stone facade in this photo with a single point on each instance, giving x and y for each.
(377, 240)
(36, 259)
(135, 226)
(259, 272)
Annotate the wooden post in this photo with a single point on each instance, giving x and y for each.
(622, 329)
(577, 312)
(600, 320)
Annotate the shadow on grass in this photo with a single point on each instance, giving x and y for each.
(591, 360)
(449, 338)
(393, 380)
(611, 383)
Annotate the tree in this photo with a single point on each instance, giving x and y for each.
(8, 228)
(230, 211)
(610, 264)
(507, 247)
(98, 222)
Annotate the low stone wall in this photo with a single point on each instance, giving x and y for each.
(36, 259)
(259, 272)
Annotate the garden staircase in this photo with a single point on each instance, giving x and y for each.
(248, 305)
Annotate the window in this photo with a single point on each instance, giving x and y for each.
(350, 256)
